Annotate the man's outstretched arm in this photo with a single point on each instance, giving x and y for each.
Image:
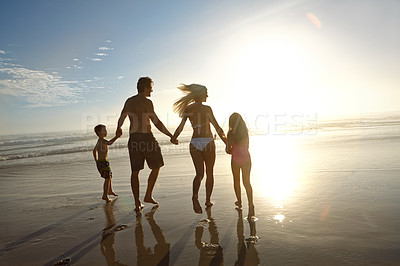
(159, 125)
(157, 122)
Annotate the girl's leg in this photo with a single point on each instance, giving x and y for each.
(209, 158)
(249, 190)
(198, 162)
(236, 183)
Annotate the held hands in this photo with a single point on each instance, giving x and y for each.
(118, 133)
(228, 150)
(174, 140)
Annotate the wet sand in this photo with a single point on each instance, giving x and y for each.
(314, 206)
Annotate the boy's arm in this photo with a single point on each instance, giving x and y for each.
(111, 141)
(214, 122)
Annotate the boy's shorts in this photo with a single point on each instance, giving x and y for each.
(143, 146)
(104, 169)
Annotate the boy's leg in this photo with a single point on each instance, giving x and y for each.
(150, 186)
(110, 190)
(106, 185)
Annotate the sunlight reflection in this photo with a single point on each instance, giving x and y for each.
(279, 218)
(274, 168)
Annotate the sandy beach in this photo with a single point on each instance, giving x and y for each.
(329, 203)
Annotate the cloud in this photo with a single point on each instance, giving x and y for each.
(108, 40)
(103, 48)
(101, 54)
(39, 88)
(121, 77)
(76, 59)
(2, 52)
(96, 59)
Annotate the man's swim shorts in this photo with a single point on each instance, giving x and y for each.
(143, 146)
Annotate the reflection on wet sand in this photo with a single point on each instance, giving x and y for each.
(160, 255)
(247, 253)
(210, 253)
(107, 239)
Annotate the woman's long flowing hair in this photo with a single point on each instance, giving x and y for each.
(193, 92)
(238, 131)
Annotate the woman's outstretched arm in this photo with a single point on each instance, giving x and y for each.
(228, 147)
(179, 128)
(214, 122)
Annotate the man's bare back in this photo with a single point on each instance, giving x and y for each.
(139, 109)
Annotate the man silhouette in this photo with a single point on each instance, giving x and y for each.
(142, 145)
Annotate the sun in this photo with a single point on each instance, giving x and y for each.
(270, 72)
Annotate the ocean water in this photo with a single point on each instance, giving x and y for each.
(323, 197)
(39, 148)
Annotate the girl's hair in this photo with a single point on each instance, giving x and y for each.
(238, 131)
(193, 92)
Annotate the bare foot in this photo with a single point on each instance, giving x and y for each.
(106, 198)
(139, 207)
(196, 205)
(209, 203)
(150, 200)
(113, 193)
(238, 204)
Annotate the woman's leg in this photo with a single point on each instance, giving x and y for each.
(247, 185)
(198, 162)
(209, 158)
(236, 183)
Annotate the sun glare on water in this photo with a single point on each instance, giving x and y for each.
(275, 172)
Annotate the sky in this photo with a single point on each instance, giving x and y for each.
(67, 65)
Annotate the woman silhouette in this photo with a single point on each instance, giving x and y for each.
(202, 146)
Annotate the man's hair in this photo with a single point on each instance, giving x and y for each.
(98, 128)
(144, 82)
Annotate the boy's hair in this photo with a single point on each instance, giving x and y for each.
(238, 131)
(98, 128)
(144, 82)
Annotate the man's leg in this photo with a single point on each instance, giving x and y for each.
(135, 189)
(150, 186)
